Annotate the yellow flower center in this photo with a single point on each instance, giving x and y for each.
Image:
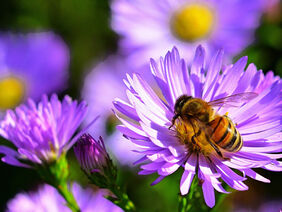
(11, 92)
(193, 22)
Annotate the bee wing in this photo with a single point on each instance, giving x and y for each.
(235, 100)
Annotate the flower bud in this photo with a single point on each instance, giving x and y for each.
(95, 161)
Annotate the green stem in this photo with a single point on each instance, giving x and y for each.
(122, 199)
(56, 173)
(71, 202)
(184, 202)
(193, 189)
(106, 178)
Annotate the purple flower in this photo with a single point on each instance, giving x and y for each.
(49, 200)
(42, 132)
(262, 206)
(149, 117)
(148, 28)
(101, 86)
(30, 66)
(271, 206)
(91, 154)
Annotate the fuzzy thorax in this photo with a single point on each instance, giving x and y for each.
(193, 135)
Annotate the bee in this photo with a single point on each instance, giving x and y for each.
(218, 130)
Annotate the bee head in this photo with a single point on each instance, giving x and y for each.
(180, 103)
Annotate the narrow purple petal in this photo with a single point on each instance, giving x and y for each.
(126, 109)
(152, 166)
(273, 167)
(199, 61)
(159, 179)
(212, 75)
(173, 71)
(161, 81)
(141, 160)
(186, 180)
(256, 176)
(168, 168)
(208, 193)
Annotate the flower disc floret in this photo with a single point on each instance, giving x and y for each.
(12, 92)
(192, 22)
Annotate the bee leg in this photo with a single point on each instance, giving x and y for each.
(173, 120)
(217, 150)
(171, 125)
(196, 135)
(225, 158)
(221, 155)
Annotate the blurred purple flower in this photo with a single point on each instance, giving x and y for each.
(258, 121)
(101, 86)
(41, 133)
(264, 206)
(148, 27)
(123, 151)
(91, 154)
(271, 206)
(47, 199)
(31, 65)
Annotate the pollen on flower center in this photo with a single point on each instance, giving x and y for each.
(193, 137)
(193, 22)
(12, 92)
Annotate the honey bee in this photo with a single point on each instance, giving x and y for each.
(218, 130)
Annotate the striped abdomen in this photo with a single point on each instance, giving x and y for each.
(225, 134)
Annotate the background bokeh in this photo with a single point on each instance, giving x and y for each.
(84, 26)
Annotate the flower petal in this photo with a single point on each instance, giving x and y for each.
(208, 193)
(186, 180)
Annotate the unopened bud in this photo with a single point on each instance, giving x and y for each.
(94, 160)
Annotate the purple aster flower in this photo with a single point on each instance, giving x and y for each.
(30, 66)
(166, 147)
(42, 132)
(101, 86)
(148, 28)
(49, 200)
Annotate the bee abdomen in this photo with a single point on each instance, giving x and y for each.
(235, 143)
(225, 134)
